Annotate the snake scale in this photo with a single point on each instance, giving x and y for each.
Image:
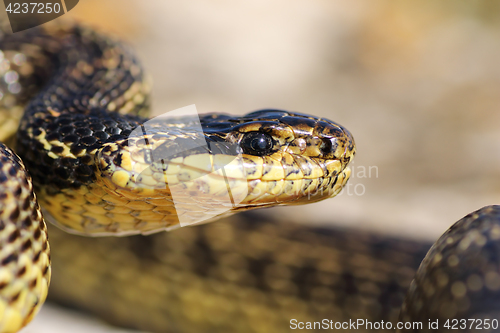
(84, 95)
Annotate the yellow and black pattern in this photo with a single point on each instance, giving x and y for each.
(24, 248)
(127, 186)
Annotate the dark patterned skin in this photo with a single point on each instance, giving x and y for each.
(24, 249)
(458, 282)
(72, 113)
(244, 274)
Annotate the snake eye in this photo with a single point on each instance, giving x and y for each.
(257, 143)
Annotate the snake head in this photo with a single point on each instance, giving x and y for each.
(289, 157)
(216, 164)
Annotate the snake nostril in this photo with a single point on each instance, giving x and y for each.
(329, 148)
(326, 147)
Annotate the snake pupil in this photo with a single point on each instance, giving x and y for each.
(257, 143)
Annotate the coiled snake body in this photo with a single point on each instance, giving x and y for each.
(84, 97)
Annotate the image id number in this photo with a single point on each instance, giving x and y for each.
(33, 8)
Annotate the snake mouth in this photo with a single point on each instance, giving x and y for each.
(204, 186)
(295, 190)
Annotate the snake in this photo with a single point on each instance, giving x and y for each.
(115, 184)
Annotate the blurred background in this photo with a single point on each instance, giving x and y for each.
(416, 82)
